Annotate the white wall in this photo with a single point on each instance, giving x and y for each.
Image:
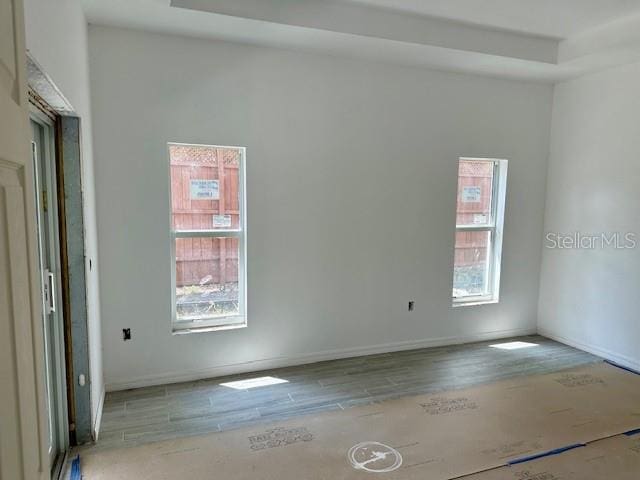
(589, 298)
(351, 199)
(56, 34)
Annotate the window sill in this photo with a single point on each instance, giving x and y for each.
(474, 301)
(207, 329)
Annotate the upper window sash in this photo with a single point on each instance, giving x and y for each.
(495, 189)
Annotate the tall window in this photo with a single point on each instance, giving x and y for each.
(479, 220)
(208, 236)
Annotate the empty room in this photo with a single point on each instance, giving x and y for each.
(320, 239)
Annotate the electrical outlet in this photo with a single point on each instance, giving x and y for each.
(411, 305)
(126, 334)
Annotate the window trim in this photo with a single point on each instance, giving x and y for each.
(494, 227)
(227, 322)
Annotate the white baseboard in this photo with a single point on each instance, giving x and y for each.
(98, 420)
(279, 362)
(623, 360)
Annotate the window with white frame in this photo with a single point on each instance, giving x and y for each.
(478, 238)
(208, 236)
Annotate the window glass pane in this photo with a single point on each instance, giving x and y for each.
(206, 278)
(471, 264)
(475, 186)
(205, 187)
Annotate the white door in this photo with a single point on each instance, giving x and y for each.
(23, 436)
(43, 153)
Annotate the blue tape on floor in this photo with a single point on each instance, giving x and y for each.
(75, 469)
(631, 433)
(557, 451)
(631, 370)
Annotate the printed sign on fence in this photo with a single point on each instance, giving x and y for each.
(471, 194)
(205, 189)
(221, 221)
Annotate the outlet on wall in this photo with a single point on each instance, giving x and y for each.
(126, 334)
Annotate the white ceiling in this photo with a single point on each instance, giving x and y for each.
(555, 18)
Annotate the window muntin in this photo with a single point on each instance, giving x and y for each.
(478, 238)
(208, 236)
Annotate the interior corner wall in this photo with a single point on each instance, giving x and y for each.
(352, 179)
(589, 296)
(56, 36)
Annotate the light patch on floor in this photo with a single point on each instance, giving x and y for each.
(254, 383)
(513, 345)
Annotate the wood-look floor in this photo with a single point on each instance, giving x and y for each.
(144, 415)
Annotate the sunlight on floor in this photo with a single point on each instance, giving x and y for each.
(254, 383)
(513, 345)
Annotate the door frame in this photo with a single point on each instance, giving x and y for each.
(46, 96)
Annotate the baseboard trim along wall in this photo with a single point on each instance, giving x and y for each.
(302, 359)
(595, 350)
